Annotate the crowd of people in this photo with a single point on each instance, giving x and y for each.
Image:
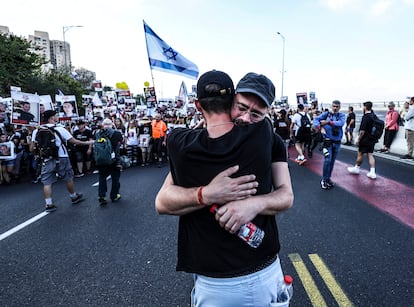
(144, 145)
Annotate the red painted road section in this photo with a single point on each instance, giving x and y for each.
(385, 194)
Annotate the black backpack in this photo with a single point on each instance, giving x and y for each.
(46, 143)
(377, 128)
(305, 126)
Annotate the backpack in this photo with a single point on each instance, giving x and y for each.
(305, 125)
(377, 128)
(103, 152)
(46, 143)
(400, 120)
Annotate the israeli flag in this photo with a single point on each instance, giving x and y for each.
(164, 58)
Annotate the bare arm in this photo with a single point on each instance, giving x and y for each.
(234, 214)
(175, 200)
(77, 142)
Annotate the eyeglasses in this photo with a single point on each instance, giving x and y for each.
(255, 116)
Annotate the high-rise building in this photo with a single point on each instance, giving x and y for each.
(41, 39)
(58, 54)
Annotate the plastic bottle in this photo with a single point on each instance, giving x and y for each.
(248, 232)
(285, 291)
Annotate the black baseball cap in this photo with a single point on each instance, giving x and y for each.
(48, 114)
(259, 85)
(223, 80)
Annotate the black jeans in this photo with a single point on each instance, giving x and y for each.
(104, 172)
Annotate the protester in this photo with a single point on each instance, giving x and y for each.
(159, 129)
(145, 141)
(300, 134)
(207, 247)
(365, 143)
(409, 130)
(330, 125)
(83, 154)
(58, 166)
(132, 141)
(114, 169)
(350, 126)
(391, 127)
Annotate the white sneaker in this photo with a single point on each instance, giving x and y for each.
(371, 175)
(353, 170)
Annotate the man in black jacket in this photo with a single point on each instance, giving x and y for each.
(114, 170)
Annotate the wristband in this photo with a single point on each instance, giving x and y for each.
(200, 196)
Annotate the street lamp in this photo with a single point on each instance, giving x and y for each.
(283, 62)
(65, 29)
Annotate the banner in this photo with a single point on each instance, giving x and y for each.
(164, 58)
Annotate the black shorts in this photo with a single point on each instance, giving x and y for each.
(366, 145)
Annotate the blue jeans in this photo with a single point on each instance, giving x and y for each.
(329, 161)
(256, 290)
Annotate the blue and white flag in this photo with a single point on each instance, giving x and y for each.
(164, 58)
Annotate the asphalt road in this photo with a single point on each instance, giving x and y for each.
(340, 249)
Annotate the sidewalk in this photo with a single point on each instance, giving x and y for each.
(389, 156)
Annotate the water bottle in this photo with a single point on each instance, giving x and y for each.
(249, 232)
(285, 290)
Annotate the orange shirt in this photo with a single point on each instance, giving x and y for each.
(158, 129)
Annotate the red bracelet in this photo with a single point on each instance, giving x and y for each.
(200, 196)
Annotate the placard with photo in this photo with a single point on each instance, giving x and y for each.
(67, 108)
(25, 108)
(7, 151)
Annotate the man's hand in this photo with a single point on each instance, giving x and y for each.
(233, 215)
(223, 188)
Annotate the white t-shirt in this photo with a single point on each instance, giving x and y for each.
(64, 134)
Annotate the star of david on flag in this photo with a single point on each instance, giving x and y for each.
(164, 58)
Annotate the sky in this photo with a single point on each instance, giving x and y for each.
(351, 50)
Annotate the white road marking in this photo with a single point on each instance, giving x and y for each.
(97, 183)
(22, 225)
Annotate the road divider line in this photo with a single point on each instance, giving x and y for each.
(307, 281)
(331, 283)
(97, 183)
(22, 225)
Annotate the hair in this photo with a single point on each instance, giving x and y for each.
(216, 104)
(336, 102)
(368, 105)
(351, 108)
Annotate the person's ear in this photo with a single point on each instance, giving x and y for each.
(198, 106)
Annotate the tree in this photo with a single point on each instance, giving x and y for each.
(86, 78)
(18, 62)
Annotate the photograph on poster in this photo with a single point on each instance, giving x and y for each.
(25, 108)
(4, 111)
(67, 107)
(7, 150)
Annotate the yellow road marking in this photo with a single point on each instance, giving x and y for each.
(307, 281)
(330, 281)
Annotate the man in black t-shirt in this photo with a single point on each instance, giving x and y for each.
(365, 143)
(207, 244)
(83, 154)
(350, 126)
